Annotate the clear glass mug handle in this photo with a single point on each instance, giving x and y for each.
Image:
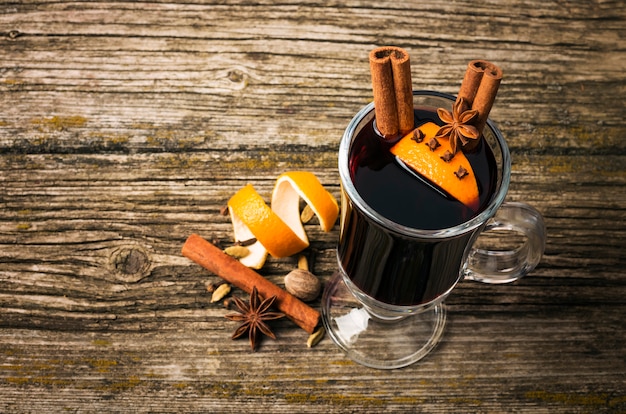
(516, 224)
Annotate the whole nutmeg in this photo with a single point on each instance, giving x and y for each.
(303, 284)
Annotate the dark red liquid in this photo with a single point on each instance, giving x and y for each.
(389, 266)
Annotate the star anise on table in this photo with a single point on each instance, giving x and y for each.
(458, 128)
(253, 316)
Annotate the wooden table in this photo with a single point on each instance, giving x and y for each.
(125, 127)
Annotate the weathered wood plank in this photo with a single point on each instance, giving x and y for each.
(174, 76)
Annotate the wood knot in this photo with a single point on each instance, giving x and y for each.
(14, 34)
(130, 264)
(238, 79)
(236, 76)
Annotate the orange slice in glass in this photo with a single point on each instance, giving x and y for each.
(430, 165)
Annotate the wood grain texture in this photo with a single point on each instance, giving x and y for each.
(125, 127)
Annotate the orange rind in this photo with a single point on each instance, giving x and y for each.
(429, 163)
(278, 230)
(293, 185)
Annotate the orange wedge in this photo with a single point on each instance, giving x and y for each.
(279, 230)
(429, 164)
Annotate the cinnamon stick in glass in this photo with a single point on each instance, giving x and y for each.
(479, 90)
(471, 81)
(486, 93)
(390, 69)
(231, 270)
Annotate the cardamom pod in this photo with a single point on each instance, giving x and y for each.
(237, 251)
(307, 214)
(220, 292)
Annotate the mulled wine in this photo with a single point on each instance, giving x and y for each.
(404, 243)
(385, 263)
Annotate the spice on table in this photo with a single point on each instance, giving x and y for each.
(303, 262)
(315, 337)
(253, 316)
(237, 251)
(220, 292)
(231, 270)
(303, 284)
(210, 287)
(227, 302)
(246, 243)
(307, 214)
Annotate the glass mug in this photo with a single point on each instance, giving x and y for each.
(384, 306)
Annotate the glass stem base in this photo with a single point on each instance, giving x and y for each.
(379, 342)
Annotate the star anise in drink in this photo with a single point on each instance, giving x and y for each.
(458, 128)
(253, 316)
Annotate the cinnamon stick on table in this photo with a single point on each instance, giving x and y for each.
(231, 270)
(479, 89)
(390, 68)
